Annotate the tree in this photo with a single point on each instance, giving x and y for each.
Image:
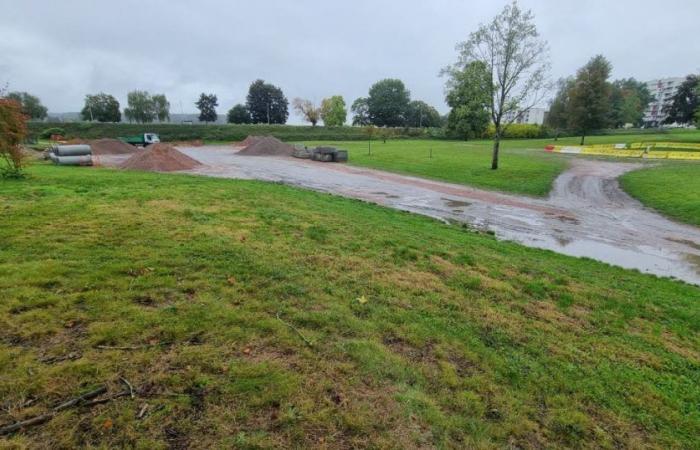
(207, 104)
(238, 114)
(305, 108)
(162, 107)
(31, 105)
(467, 94)
(387, 103)
(589, 103)
(141, 107)
(558, 115)
(13, 131)
(333, 112)
(267, 103)
(360, 111)
(685, 102)
(517, 62)
(102, 108)
(421, 115)
(628, 100)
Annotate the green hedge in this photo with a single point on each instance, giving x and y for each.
(186, 132)
(519, 131)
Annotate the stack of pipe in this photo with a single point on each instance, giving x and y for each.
(71, 155)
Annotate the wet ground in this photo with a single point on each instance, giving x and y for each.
(587, 214)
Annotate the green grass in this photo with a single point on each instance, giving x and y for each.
(671, 188)
(522, 171)
(463, 342)
(524, 166)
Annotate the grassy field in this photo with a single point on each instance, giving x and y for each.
(255, 315)
(522, 171)
(672, 188)
(524, 166)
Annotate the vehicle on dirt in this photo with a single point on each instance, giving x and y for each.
(141, 140)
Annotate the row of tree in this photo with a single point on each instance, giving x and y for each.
(589, 101)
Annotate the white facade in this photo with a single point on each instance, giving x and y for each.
(662, 92)
(534, 116)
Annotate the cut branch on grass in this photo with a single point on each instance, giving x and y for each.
(309, 343)
(38, 420)
(122, 347)
(86, 400)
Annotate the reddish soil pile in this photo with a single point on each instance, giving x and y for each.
(266, 146)
(250, 140)
(111, 147)
(160, 158)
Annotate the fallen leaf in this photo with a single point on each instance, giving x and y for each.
(107, 425)
(231, 280)
(246, 350)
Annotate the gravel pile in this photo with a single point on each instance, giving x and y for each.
(160, 158)
(265, 146)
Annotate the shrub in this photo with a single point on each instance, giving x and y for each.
(48, 132)
(518, 131)
(13, 131)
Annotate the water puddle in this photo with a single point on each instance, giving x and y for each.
(455, 203)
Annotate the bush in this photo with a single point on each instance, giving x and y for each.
(47, 133)
(519, 131)
(13, 130)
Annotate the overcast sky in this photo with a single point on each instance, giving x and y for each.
(61, 50)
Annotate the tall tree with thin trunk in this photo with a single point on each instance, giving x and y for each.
(306, 109)
(207, 104)
(589, 99)
(517, 62)
(162, 107)
(558, 115)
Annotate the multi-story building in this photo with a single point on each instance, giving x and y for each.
(662, 92)
(532, 116)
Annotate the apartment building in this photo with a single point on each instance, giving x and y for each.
(662, 92)
(532, 116)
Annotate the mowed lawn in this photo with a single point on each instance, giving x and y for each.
(525, 168)
(671, 188)
(522, 171)
(255, 315)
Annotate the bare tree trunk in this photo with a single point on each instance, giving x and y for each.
(583, 138)
(496, 146)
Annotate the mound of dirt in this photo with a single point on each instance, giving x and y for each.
(249, 141)
(111, 147)
(160, 158)
(267, 146)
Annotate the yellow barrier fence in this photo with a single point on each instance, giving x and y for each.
(634, 150)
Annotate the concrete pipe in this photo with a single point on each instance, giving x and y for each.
(73, 150)
(78, 160)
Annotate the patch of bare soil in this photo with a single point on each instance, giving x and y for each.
(160, 158)
(111, 147)
(249, 141)
(265, 146)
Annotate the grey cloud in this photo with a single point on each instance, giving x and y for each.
(62, 50)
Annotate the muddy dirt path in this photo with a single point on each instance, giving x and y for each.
(587, 214)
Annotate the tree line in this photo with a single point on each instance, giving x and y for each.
(388, 104)
(589, 101)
